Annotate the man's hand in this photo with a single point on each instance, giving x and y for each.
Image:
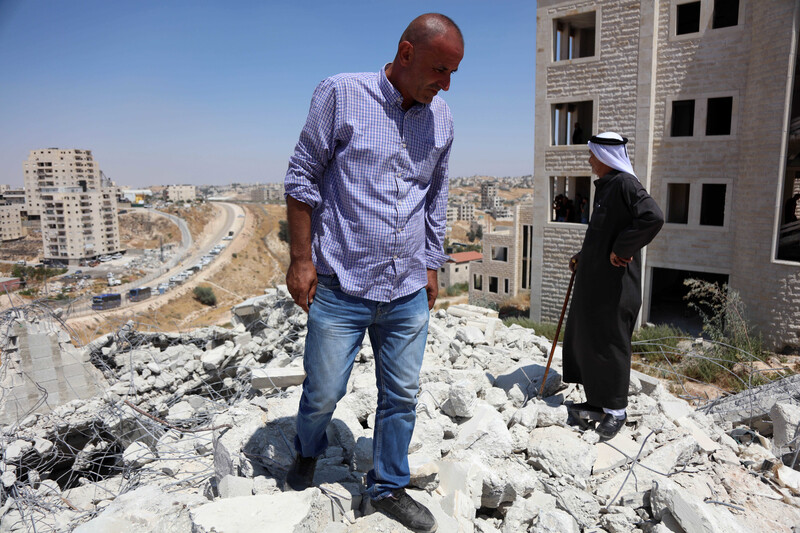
(301, 279)
(573, 263)
(618, 261)
(432, 288)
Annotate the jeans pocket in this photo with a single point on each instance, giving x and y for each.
(328, 281)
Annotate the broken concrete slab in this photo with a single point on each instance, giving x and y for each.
(297, 512)
(485, 433)
(277, 378)
(160, 511)
(559, 451)
(691, 513)
(755, 402)
(785, 422)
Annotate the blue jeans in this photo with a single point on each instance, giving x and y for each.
(398, 330)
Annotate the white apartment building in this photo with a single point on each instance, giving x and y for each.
(466, 211)
(706, 92)
(11, 222)
(78, 208)
(505, 270)
(55, 168)
(180, 193)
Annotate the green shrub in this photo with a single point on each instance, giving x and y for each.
(458, 288)
(205, 295)
(543, 329)
(658, 344)
(283, 231)
(725, 324)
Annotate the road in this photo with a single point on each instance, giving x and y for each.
(190, 253)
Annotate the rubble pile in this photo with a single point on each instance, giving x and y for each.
(194, 435)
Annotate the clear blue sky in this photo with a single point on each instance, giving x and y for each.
(206, 92)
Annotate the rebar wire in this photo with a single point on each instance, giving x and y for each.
(87, 448)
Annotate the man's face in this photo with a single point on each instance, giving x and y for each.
(598, 168)
(432, 65)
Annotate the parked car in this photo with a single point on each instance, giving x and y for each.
(105, 258)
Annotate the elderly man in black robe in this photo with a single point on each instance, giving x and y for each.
(607, 295)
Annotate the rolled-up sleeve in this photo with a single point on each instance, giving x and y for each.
(314, 149)
(436, 211)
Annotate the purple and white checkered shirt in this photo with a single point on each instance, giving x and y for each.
(376, 179)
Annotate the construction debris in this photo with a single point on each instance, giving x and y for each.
(193, 432)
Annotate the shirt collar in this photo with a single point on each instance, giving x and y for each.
(391, 93)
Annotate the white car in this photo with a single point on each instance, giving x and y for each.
(104, 258)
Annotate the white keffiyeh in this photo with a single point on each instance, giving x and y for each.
(612, 155)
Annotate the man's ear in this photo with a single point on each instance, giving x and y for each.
(405, 51)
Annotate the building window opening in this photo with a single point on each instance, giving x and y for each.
(570, 198)
(493, 284)
(678, 203)
(726, 14)
(718, 119)
(688, 18)
(668, 304)
(571, 123)
(574, 36)
(527, 239)
(477, 282)
(505, 282)
(500, 253)
(712, 204)
(682, 118)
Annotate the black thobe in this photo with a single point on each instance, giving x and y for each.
(606, 299)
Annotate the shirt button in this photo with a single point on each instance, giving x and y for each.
(394, 257)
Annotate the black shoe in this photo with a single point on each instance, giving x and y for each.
(301, 473)
(585, 411)
(407, 511)
(610, 426)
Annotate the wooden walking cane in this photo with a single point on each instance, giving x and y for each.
(558, 331)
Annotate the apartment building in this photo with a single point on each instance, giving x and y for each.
(466, 211)
(505, 270)
(180, 193)
(77, 206)
(488, 195)
(705, 90)
(53, 168)
(14, 197)
(11, 222)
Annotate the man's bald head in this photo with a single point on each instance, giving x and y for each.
(427, 27)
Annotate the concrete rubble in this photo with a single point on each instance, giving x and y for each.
(194, 433)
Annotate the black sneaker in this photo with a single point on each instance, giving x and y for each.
(610, 426)
(301, 473)
(407, 511)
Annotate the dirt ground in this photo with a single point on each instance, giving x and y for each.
(143, 230)
(28, 248)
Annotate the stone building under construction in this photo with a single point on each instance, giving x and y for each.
(706, 92)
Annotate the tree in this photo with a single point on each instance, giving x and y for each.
(283, 232)
(205, 295)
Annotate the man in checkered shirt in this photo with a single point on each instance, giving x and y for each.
(366, 195)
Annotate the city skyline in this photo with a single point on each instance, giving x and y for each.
(208, 94)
